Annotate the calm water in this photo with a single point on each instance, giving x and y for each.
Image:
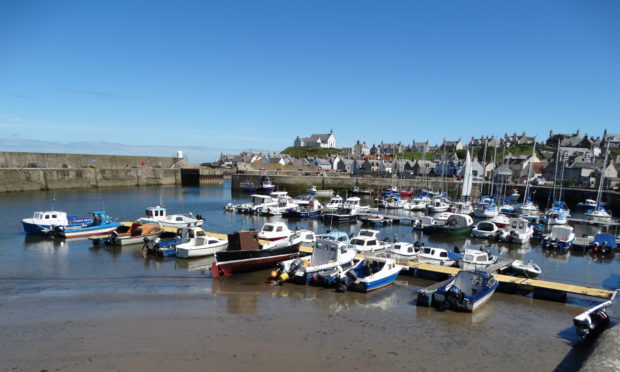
(33, 265)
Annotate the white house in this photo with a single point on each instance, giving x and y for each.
(317, 140)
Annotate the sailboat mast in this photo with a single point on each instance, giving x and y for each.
(531, 165)
(555, 174)
(600, 182)
(494, 171)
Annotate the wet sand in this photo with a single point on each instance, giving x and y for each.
(240, 324)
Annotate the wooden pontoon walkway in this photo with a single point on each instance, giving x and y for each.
(546, 289)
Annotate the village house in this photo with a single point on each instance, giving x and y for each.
(317, 140)
(420, 146)
(565, 140)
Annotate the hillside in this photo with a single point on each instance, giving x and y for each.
(319, 152)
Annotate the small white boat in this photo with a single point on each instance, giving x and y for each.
(528, 209)
(320, 193)
(519, 232)
(42, 222)
(474, 259)
(438, 256)
(334, 203)
(484, 229)
(369, 274)
(438, 205)
(501, 220)
(558, 214)
(199, 244)
(367, 241)
(404, 249)
(485, 208)
(416, 204)
(526, 269)
(158, 215)
(274, 231)
(599, 215)
(283, 204)
(307, 236)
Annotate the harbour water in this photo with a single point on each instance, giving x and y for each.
(83, 306)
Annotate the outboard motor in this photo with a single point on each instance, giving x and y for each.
(592, 323)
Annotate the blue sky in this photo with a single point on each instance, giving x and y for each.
(235, 75)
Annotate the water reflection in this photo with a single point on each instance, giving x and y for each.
(47, 246)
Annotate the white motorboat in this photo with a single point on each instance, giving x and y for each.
(334, 203)
(501, 221)
(274, 231)
(526, 269)
(438, 205)
(474, 259)
(158, 215)
(438, 256)
(320, 193)
(484, 229)
(416, 204)
(404, 249)
(327, 254)
(284, 203)
(528, 209)
(519, 232)
(367, 241)
(599, 215)
(200, 244)
(558, 214)
(307, 236)
(41, 222)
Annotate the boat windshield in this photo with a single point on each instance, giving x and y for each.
(268, 228)
(367, 233)
(358, 241)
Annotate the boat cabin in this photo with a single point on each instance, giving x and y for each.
(438, 253)
(50, 218)
(353, 201)
(459, 220)
(326, 251)
(368, 233)
(519, 224)
(274, 231)
(155, 212)
(562, 233)
(336, 236)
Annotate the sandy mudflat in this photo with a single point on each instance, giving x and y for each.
(239, 328)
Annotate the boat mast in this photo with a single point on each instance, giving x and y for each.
(527, 184)
(484, 161)
(600, 182)
(494, 171)
(555, 174)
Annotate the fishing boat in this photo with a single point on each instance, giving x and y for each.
(368, 241)
(199, 244)
(334, 203)
(134, 234)
(101, 224)
(347, 212)
(313, 209)
(455, 224)
(284, 204)
(416, 204)
(474, 259)
(484, 229)
(438, 256)
(326, 255)
(274, 231)
(392, 202)
(307, 236)
(158, 215)
(603, 243)
(42, 222)
(519, 232)
(561, 237)
(467, 291)
(369, 274)
(266, 186)
(405, 249)
(525, 269)
(244, 253)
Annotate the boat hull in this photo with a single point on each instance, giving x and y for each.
(232, 262)
(88, 231)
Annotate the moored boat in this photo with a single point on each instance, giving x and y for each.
(42, 222)
(244, 253)
(456, 224)
(326, 255)
(438, 256)
(368, 241)
(561, 237)
(199, 244)
(525, 269)
(135, 234)
(101, 224)
(369, 274)
(484, 229)
(467, 291)
(158, 215)
(474, 259)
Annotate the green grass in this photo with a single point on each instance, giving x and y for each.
(320, 152)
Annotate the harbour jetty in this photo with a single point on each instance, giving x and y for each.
(29, 171)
